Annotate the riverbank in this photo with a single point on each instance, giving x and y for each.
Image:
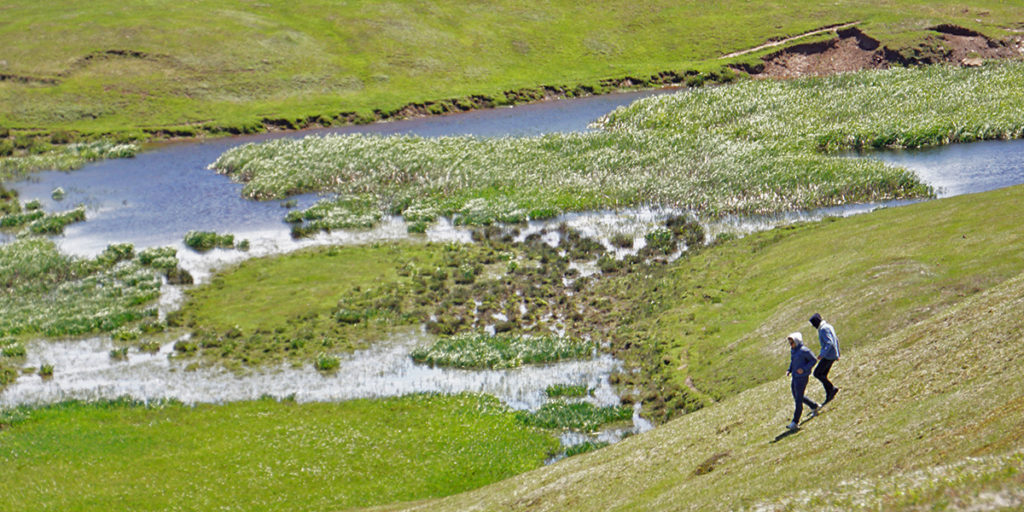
(282, 65)
(754, 147)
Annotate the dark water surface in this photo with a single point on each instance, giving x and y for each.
(158, 196)
(162, 193)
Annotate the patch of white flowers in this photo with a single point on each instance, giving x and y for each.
(751, 148)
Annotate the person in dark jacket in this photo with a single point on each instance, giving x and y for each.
(827, 357)
(801, 360)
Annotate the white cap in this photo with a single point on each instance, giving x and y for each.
(796, 336)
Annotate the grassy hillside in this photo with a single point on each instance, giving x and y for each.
(715, 318)
(107, 66)
(928, 416)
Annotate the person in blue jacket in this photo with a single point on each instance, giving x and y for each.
(828, 355)
(801, 360)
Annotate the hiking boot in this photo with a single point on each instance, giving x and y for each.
(792, 425)
(835, 391)
(814, 412)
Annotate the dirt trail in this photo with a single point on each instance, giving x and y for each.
(771, 44)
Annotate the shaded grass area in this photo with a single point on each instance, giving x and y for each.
(947, 434)
(751, 148)
(482, 350)
(719, 317)
(260, 455)
(322, 62)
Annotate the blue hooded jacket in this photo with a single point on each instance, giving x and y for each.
(829, 341)
(801, 358)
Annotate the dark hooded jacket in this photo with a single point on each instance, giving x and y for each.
(801, 358)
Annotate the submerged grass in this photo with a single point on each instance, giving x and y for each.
(482, 350)
(752, 147)
(277, 455)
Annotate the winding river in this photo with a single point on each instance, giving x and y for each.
(156, 197)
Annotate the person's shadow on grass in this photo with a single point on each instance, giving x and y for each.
(788, 432)
(783, 435)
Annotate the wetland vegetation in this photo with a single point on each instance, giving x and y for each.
(698, 334)
(753, 147)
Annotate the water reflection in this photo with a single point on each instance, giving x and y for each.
(84, 369)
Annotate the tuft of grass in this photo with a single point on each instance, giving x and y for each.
(584, 447)
(326, 363)
(567, 391)
(481, 350)
(581, 416)
(203, 241)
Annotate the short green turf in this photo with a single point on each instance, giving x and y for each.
(259, 455)
(108, 67)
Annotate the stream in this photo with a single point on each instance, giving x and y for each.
(155, 198)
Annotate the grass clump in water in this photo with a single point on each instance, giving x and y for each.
(203, 241)
(579, 416)
(567, 391)
(326, 363)
(584, 447)
(481, 350)
(64, 158)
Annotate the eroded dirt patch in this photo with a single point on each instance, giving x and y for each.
(852, 50)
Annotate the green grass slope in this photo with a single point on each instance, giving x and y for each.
(107, 66)
(929, 416)
(714, 319)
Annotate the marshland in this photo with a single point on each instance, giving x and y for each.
(527, 307)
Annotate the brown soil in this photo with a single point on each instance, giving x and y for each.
(852, 50)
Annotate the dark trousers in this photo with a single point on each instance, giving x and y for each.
(821, 373)
(799, 386)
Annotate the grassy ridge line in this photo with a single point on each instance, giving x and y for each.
(930, 400)
(259, 455)
(305, 60)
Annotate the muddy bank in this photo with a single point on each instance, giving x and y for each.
(853, 50)
(521, 96)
